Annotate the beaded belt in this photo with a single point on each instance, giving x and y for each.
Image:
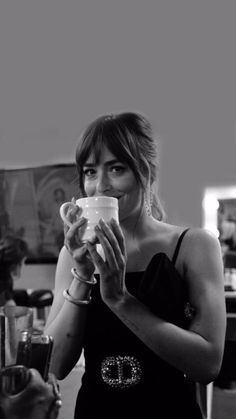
(121, 371)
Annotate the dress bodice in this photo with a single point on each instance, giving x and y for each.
(120, 368)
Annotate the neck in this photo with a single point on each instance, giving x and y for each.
(136, 226)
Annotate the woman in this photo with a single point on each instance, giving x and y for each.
(13, 253)
(151, 317)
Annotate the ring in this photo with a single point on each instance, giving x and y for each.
(58, 403)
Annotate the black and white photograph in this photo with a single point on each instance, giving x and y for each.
(127, 108)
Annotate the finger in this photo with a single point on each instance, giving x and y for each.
(77, 227)
(71, 238)
(93, 240)
(81, 230)
(96, 258)
(36, 385)
(54, 383)
(119, 235)
(57, 402)
(116, 250)
(107, 245)
(36, 376)
(50, 389)
(73, 213)
(54, 409)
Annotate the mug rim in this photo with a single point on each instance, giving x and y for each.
(97, 200)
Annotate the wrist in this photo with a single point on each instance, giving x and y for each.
(118, 305)
(81, 286)
(75, 301)
(85, 280)
(80, 290)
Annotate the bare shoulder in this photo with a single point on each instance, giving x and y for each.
(202, 239)
(201, 253)
(195, 237)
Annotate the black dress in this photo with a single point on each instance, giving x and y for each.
(123, 378)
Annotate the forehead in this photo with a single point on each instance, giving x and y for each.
(104, 155)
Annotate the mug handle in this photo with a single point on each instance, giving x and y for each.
(63, 211)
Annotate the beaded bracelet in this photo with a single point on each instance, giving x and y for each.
(75, 274)
(75, 301)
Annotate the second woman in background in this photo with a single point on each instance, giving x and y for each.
(13, 252)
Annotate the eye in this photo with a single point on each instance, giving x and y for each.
(88, 172)
(117, 169)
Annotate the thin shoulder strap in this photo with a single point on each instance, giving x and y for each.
(176, 252)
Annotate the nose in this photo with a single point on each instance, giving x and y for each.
(103, 183)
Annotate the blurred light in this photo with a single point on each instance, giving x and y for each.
(210, 205)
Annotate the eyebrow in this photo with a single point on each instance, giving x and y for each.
(107, 163)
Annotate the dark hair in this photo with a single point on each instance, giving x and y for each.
(13, 250)
(129, 137)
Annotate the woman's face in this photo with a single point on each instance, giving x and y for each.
(110, 177)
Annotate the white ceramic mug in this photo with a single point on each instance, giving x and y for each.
(93, 208)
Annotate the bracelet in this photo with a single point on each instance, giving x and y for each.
(75, 274)
(75, 301)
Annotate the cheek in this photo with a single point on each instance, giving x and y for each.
(89, 188)
(132, 187)
(131, 199)
(127, 183)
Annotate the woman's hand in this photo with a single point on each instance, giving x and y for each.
(74, 244)
(112, 270)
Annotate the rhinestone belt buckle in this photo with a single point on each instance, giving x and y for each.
(121, 371)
